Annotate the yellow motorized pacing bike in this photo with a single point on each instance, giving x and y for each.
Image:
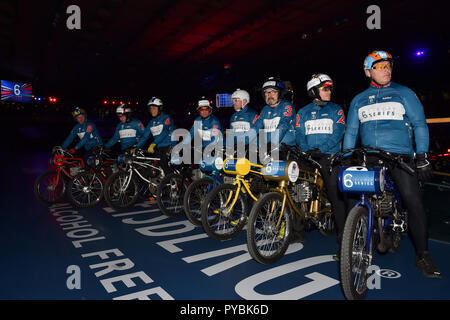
(225, 210)
(299, 192)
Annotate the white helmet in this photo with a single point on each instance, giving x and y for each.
(122, 109)
(241, 94)
(155, 102)
(203, 102)
(318, 80)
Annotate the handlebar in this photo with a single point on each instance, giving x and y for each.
(300, 154)
(378, 152)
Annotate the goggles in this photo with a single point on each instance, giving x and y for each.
(203, 109)
(327, 88)
(379, 66)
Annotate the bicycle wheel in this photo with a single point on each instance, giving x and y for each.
(170, 194)
(355, 259)
(120, 192)
(218, 222)
(268, 231)
(193, 199)
(85, 190)
(48, 188)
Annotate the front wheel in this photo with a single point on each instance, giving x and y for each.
(269, 229)
(224, 215)
(121, 191)
(356, 257)
(85, 190)
(194, 197)
(49, 188)
(170, 194)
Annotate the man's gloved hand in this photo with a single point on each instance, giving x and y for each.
(151, 148)
(72, 150)
(424, 170)
(315, 153)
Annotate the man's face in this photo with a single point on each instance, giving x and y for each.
(154, 111)
(122, 117)
(81, 118)
(271, 96)
(237, 104)
(204, 112)
(382, 75)
(325, 93)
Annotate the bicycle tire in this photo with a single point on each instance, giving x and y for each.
(170, 194)
(117, 199)
(44, 194)
(193, 198)
(85, 190)
(348, 261)
(259, 225)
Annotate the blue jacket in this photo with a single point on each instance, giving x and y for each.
(88, 134)
(281, 118)
(207, 129)
(241, 122)
(128, 133)
(320, 127)
(161, 128)
(387, 118)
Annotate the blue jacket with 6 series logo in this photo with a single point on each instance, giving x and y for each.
(88, 134)
(387, 118)
(161, 128)
(278, 119)
(320, 127)
(241, 122)
(129, 134)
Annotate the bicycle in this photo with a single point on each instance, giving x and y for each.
(376, 221)
(137, 175)
(299, 192)
(224, 212)
(86, 188)
(172, 188)
(50, 186)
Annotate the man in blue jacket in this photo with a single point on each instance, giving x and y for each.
(85, 130)
(160, 127)
(389, 116)
(319, 130)
(241, 121)
(128, 131)
(277, 118)
(206, 131)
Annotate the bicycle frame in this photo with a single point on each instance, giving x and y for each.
(60, 162)
(132, 169)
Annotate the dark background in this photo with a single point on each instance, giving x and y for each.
(177, 50)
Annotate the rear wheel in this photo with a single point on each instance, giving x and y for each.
(49, 188)
(268, 229)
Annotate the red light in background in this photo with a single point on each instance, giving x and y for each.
(105, 102)
(113, 102)
(129, 102)
(121, 102)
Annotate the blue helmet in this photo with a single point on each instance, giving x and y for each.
(377, 56)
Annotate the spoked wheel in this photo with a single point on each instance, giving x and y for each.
(49, 188)
(170, 194)
(224, 216)
(85, 190)
(194, 197)
(355, 258)
(268, 229)
(121, 192)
